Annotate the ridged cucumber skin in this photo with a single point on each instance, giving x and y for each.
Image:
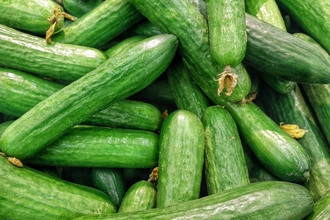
(181, 158)
(321, 208)
(225, 166)
(276, 52)
(194, 43)
(78, 8)
(142, 195)
(123, 44)
(252, 201)
(186, 93)
(29, 16)
(268, 11)
(281, 154)
(36, 195)
(111, 181)
(291, 108)
(312, 16)
(100, 25)
(20, 91)
(90, 146)
(227, 31)
(30, 53)
(116, 79)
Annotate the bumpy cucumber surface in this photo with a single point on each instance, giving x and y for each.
(181, 157)
(115, 79)
(35, 195)
(265, 200)
(57, 61)
(225, 166)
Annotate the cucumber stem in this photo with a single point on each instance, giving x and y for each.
(227, 80)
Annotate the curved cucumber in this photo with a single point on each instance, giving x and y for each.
(115, 79)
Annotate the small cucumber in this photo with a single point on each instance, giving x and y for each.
(142, 195)
(100, 25)
(227, 31)
(225, 166)
(28, 53)
(271, 200)
(181, 157)
(36, 195)
(89, 146)
(116, 79)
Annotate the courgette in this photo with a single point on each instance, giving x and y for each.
(115, 79)
(181, 157)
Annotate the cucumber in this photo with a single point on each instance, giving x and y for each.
(29, 16)
(35, 195)
(276, 52)
(183, 19)
(291, 108)
(225, 166)
(89, 146)
(259, 173)
(321, 208)
(28, 53)
(80, 7)
(142, 195)
(270, 200)
(111, 181)
(187, 95)
(268, 11)
(116, 79)
(123, 44)
(181, 157)
(227, 31)
(79, 175)
(312, 16)
(100, 25)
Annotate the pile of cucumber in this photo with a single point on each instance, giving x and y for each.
(164, 109)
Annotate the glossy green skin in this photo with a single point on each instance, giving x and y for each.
(181, 158)
(187, 95)
(89, 146)
(29, 53)
(268, 11)
(259, 173)
(278, 53)
(142, 195)
(29, 16)
(110, 181)
(100, 25)
(227, 31)
(194, 43)
(291, 108)
(282, 155)
(35, 195)
(225, 166)
(122, 45)
(312, 16)
(78, 7)
(265, 200)
(116, 79)
(321, 208)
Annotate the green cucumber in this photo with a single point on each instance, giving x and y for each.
(268, 11)
(187, 95)
(143, 28)
(227, 31)
(312, 16)
(115, 79)
(29, 16)
(111, 181)
(225, 166)
(123, 44)
(80, 7)
(89, 146)
(100, 25)
(291, 108)
(79, 175)
(28, 53)
(259, 173)
(271, 200)
(276, 52)
(183, 19)
(321, 208)
(35, 195)
(181, 157)
(142, 195)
